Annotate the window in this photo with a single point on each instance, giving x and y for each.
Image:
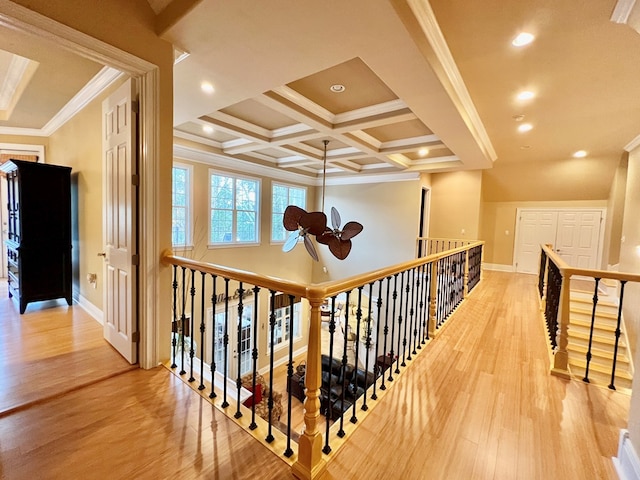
(281, 197)
(282, 325)
(181, 205)
(234, 209)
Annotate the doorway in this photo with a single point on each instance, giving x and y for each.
(423, 227)
(575, 234)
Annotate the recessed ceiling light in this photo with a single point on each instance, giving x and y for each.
(522, 39)
(337, 88)
(580, 154)
(206, 87)
(423, 152)
(207, 129)
(525, 127)
(525, 147)
(525, 95)
(518, 118)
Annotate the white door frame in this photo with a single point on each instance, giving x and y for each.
(603, 223)
(21, 19)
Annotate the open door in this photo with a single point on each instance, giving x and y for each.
(119, 221)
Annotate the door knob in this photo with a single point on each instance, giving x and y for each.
(102, 254)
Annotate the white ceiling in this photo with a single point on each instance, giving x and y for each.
(444, 79)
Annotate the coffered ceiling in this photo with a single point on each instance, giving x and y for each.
(428, 87)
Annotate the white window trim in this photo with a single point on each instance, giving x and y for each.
(189, 228)
(258, 213)
(295, 338)
(287, 185)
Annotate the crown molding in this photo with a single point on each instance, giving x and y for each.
(622, 11)
(88, 93)
(426, 19)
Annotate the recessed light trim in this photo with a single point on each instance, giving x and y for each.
(580, 154)
(207, 87)
(423, 152)
(337, 88)
(522, 39)
(525, 127)
(525, 95)
(207, 129)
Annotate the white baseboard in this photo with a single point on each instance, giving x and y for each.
(626, 463)
(498, 267)
(283, 360)
(91, 309)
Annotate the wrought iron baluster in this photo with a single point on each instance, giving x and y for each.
(183, 319)
(225, 403)
(327, 396)
(374, 396)
(393, 326)
(406, 319)
(427, 307)
(272, 325)
(593, 321)
(615, 348)
(415, 286)
(192, 292)
(214, 301)
(367, 345)
(174, 325)
(202, 329)
(341, 432)
(354, 380)
(419, 314)
(254, 355)
(397, 370)
(386, 334)
(289, 451)
(240, 292)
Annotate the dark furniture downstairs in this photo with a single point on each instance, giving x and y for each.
(38, 231)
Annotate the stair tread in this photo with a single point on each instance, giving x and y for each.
(587, 324)
(594, 367)
(609, 339)
(597, 352)
(599, 314)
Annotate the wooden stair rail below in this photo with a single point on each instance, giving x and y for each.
(561, 356)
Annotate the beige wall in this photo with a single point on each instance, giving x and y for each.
(500, 217)
(455, 205)
(630, 262)
(78, 144)
(389, 213)
(615, 216)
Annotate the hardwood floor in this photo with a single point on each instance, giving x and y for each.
(477, 403)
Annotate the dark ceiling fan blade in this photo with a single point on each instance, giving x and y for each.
(308, 243)
(351, 229)
(292, 241)
(335, 218)
(314, 222)
(291, 219)
(340, 248)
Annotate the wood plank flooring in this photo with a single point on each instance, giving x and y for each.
(477, 403)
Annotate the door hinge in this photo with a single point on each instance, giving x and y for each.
(135, 337)
(135, 260)
(135, 180)
(135, 106)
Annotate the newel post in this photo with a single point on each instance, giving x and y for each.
(561, 357)
(310, 463)
(433, 294)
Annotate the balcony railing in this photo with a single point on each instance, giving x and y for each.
(554, 285)
(362, 333)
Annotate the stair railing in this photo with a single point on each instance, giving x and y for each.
(554, 285)
(388, 315)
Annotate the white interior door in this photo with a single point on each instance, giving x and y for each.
(534, 228)
(578, 237)
(119, 221)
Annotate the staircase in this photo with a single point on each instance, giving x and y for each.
(602, 346)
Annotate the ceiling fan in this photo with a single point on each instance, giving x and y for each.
(304, 224)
